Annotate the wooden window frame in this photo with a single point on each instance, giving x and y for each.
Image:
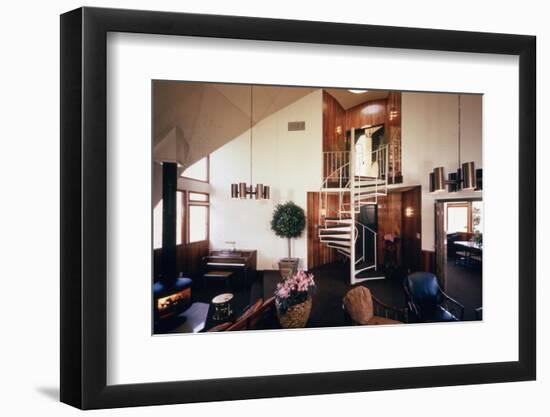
(190, 203)
(183, 220)
(198, 201)
(462, 204)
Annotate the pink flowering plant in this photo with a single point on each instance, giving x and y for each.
(294, 290)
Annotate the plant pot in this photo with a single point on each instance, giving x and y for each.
(296, 316)
(288, 267)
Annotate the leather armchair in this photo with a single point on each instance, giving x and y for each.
(428, 302)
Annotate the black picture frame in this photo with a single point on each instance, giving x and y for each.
(84, 207)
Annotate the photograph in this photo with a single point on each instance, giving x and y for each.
(280, 207)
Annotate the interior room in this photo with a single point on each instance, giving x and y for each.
(299, 207)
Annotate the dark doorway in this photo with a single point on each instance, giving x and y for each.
(399, 229)
(368, 216)
(459, 251)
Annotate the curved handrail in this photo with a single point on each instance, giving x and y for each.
(366, 227)
(333, 173)
(338, 174)
(342, 180)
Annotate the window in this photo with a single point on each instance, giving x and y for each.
(466, 216)
(198, 223)
(457, 218)
(180, 199)
(192, 218)
(477, 216)
(157, 221)
(198, 171)
(157, 226)
(198, 216)
(198, 197)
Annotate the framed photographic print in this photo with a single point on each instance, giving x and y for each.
(255, 207)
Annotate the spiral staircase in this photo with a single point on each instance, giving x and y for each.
(345, 190)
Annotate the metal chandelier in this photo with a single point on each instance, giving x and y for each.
(465, 178)
(241, 190)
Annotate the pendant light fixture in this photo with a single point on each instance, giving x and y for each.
(242, 190)
(465, 178)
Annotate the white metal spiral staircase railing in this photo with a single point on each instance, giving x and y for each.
(338, 226)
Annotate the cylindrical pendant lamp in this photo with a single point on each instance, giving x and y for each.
(259, 191)
(468, 176)
(439, 179)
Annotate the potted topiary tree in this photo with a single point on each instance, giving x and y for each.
(289, 221)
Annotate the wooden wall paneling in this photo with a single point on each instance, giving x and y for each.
(188, 258)
(334, 121)
(318, 253)
(393, 134)
(369, 113)
(334, 132)
(411, 229)
(428, 261)
(389, 221)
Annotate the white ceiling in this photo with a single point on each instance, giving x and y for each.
(347, 99)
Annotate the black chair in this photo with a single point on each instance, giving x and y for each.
(428, 302)
(451, 247)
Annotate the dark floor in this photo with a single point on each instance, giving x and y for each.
(463, 284)
(332, 285)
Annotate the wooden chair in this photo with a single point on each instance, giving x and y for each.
(362, 308)
(242, 322)
(220, 327)
(264, 317)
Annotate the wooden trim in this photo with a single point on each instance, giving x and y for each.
(207, 201)
(184, 215)
(468, 207)
(207, 206)
(467, 202)
(428, 261)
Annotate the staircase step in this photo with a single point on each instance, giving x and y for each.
(365, 194)
(346, 251)
(363, 267)
(339, 243)
(336, 228)
(373, 183)
(364, 177)
(326, 239)
(369, 276)
(334, 231)
(338, 220)
(346, 236)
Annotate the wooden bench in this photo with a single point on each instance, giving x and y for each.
(224, 276)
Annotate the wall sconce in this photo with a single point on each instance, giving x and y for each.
(338, 130)
(409, 212)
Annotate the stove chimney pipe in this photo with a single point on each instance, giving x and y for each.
(169, 188)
